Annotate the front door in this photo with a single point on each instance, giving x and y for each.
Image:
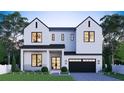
(55, 63)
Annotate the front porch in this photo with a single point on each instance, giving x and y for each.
(53, 59)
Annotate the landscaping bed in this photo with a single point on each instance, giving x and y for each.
(33, 76)
(115, 75)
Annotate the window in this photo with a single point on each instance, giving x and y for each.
(89, 60)
(74, 60)
(36, 25)
(89, 36)
(72, 37)
(36, 60)
(62, 37)
(88, 23)
(36, 37)
(53, 37)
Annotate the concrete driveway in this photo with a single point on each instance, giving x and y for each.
(91, 77)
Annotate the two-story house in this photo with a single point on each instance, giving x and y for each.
(77, 48)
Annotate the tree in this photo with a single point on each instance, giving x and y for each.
(13, 64)
(113, 29)
(12, 26)
(3, 54)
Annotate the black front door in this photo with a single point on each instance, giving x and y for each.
(55, 63)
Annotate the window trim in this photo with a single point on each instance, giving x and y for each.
(89, 37)
(53, 37)
(62, 37)
(36, 60)
(36, 37)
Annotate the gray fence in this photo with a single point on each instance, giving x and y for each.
(118, 68)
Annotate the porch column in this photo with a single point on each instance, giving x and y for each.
(48, 60)
(22, 59)
(63, 63)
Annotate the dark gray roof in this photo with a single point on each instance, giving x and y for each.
(86, 19)
(43, 46)
(62, 28)
(74, 53)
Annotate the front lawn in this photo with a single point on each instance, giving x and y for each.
(33, 76)
(115, 75)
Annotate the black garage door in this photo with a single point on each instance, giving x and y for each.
(82, 66)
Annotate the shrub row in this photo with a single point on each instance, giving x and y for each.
(117, 62)
(63, 70)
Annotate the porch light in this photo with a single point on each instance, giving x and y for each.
(65, 61)
(98, 61)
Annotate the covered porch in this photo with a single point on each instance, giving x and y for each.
(34, 59)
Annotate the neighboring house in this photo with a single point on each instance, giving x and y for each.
(77, 48)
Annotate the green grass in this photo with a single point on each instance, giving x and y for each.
(33, 76)
(115, 75)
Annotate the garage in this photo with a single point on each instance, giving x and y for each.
(82, 65)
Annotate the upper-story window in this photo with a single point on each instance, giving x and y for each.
(36, 37)
(72, 37)
(36, 24)
(89, 36)
(53, 37)
(62, 37)
(88, 23)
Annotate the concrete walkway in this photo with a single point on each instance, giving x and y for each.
(92, 77)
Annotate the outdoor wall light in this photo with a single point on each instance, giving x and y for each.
(66, 62)
(98, 61)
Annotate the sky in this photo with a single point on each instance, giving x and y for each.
(64, 18)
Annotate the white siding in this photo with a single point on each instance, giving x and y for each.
(69, 45)
(27, 61)
(77, 45)
(91, 47)
(31, 28)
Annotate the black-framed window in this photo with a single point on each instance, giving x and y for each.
(36, 37)
(72, 37)
(36, 24)
(88, 23)
(89, 36)
(36, 60)
(62, 37)
(53, 37)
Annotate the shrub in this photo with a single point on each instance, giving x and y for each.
(13, 64)
(17, 69)
(64, 69)
(108, 68)
(117, 62)
(44, 69)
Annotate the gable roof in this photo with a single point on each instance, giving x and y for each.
(38, 20)
(86, 19)
(63, 28)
